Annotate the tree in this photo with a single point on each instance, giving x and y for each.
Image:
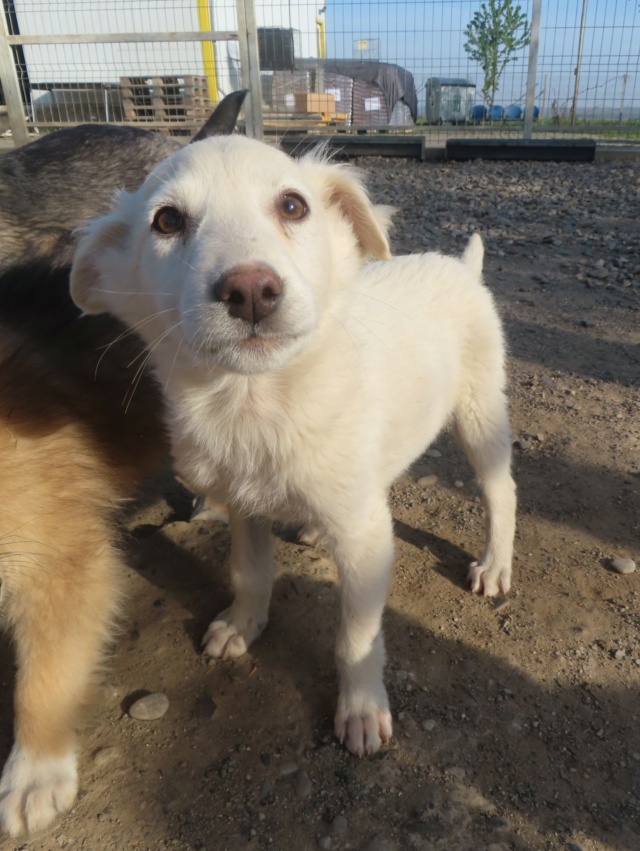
(493, 41)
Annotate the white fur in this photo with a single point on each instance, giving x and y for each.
(35, 790)
(309, 416)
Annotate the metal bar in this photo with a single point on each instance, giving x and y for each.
(11, 89)
(250, 66)
(578, 64)
(192, 124)
(533, 69)
(116, 38)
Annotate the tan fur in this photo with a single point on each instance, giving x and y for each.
(69, 453)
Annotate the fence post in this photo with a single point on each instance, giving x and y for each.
(533, 69)
(11, 89)
(250, 66)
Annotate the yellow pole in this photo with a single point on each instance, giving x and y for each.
(321, 36)
(208, 50)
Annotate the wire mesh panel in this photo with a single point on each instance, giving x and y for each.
(425, 67)
(82, 61)
(434, 67)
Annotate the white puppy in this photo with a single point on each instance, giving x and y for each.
(301, 380)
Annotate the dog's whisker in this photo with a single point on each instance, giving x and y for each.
(173, 364)
(150, 349)
(127, 332)
(124, 292)
(382, 301)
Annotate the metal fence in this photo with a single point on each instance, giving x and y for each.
(349, 66)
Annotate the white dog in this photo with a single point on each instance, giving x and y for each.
(301, 380)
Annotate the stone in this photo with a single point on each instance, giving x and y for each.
(338, 826)
(151, 707)
(303, 785)
(623, 565)
(427, 481)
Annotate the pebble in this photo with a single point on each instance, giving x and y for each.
(429, 725)
(338, 826)
(379, 845)
(103, 756)
(325, 843)
(427, 481)
(150, 707)
(523, 443)
(619, 654)
(623, 565)
(433, 453)
(303, 785)
(288, 768)
(265, 790)
(598, 273)
(458, 484)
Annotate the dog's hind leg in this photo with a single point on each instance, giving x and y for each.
(61, 611)
(364, 555)
(481, 425)
(252, 573)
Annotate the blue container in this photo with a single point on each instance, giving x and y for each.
(478, 112)
(513, 112)
(495, 113)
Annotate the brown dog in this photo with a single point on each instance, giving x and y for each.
(80, 429)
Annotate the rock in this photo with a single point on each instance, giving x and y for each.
(427, 481)
(458, 484)
(379, 845)
(150, 707)
(433, 453)
(598, 274)
(619, 654)
(288, 768)
(623, 565)
(266, 790)
(103, 756)
(429, 725)
(523, 443)
(325, 843)
(338, 826)
(303, 785)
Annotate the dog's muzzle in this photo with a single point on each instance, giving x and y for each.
(250, 291)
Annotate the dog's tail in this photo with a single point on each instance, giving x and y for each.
(474, 254)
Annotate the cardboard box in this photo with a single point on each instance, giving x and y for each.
(314, 102)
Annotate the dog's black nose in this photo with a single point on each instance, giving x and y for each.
(250, 291)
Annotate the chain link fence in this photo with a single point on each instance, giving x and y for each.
(348, 66)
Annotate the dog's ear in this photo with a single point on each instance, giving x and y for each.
(370, 222)
(222, 121)
(87, 283)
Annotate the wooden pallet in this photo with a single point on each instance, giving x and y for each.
(179, 99)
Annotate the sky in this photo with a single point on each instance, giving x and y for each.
(427, 38)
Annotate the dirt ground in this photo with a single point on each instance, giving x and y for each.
(517, 722)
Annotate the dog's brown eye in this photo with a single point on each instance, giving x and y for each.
(292, 207)
(169, 221)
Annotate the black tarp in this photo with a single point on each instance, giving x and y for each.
(396, 82)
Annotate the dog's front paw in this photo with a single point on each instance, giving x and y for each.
(488, 581)
(363, 730)
(35, 790)
(231, 633)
